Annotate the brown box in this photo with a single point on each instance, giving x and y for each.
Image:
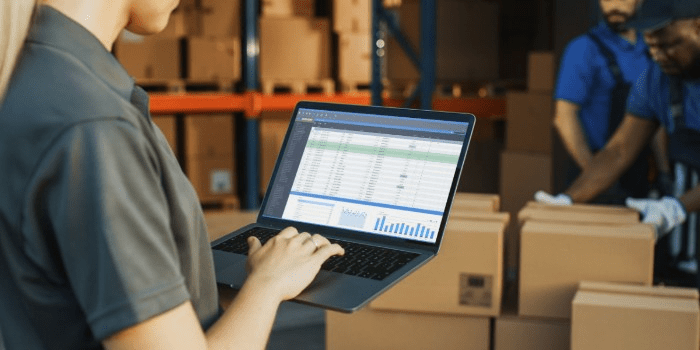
(579, 213)
(466, 42)
(213, 178)
(167, 125)
(479, 215)
(354, 58)
(352, 16)
(222, 222)
(464, 278)
(541, 67)
(640, 318)
(214, 59)
(296, 48)
(476, 201)
(287, 8)
(517, 333)
(529, 118)
(149, 57)
(220, 19)
(373, 329)
(555, 257)
(209, 135)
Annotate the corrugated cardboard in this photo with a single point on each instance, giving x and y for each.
(639, 318)
(213, 178)
(466, 47)
(220, 18)
(555, 257)
(209, 135)
(167, 125)
(465, 277)
(287, 8)
(373, 329)
(529, 118)
(464, 201)
(295, 48)
(214, 59)
(584, 208)
(478, 215)
(354, 58)
(568, 214)
(352, 16)
(149, 57)
(222, 222)
(541, 67)
(517, 333)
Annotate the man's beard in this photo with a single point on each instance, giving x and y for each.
(618, 27)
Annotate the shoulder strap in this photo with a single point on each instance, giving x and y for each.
(676, 95)
(609, 58)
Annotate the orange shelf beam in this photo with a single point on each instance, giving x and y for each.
(252, 103)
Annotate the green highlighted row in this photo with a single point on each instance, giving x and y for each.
(389, 152)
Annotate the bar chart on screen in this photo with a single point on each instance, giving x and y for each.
(406, 228)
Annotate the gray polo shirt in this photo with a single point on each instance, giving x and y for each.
(99, 227)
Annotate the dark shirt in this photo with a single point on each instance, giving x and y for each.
(99, 227)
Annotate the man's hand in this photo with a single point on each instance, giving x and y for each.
(665, 213)
(546, 198)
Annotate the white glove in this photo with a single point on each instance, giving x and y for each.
(546, 198)
(665, 213)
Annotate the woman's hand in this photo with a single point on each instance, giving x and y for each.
(288, 262)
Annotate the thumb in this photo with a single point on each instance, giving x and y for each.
(639, 205)
(253, 245)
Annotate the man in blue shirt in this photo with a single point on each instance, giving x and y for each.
(666, 94)
(596, 72)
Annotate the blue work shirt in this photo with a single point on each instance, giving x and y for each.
(650, 99)
(585, 78)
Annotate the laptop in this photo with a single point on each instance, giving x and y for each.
(379, 181)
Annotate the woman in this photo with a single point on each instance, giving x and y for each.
(102, 240)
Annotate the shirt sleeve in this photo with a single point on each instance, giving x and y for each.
(642, 94)
(110, 217)
(576, 73)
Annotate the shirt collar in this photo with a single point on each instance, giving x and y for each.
(52, 28)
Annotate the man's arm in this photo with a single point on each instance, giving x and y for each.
(609, 164)
(568, 125)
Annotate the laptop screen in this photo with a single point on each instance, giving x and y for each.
(376, 174)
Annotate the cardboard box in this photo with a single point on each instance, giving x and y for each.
(466, 42)
(168, 126)
(529, 118)
(464, 278)
(476, 201)
(517, 333)
(584, 208)
(220, 19)
(541, 70)
(209, 135)
(294, 49)
(223, 222)
(479, 215)
(149, 57)
(639, 318)
(214, 178)
(354, 58)
(555, 257)
(288, 8)
(576, 214)
(372, 329)
(352, 16)
(213, 59)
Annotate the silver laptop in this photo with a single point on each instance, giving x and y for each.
(379, 181)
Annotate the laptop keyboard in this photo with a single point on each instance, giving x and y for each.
(359, 260)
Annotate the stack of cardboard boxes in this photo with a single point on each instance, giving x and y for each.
(294, 47)
(352, 21)
(526, 162)
(446, 304)
(466, 43)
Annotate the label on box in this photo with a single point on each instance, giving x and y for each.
(221, 181)
(475, 290)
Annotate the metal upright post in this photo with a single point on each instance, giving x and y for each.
(378, 47)
(250, 196)
(428, 45)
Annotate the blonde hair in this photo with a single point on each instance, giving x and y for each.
(15, 19)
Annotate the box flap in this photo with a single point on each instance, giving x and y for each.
(630, 289)
(557, 214)
(633, 231)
